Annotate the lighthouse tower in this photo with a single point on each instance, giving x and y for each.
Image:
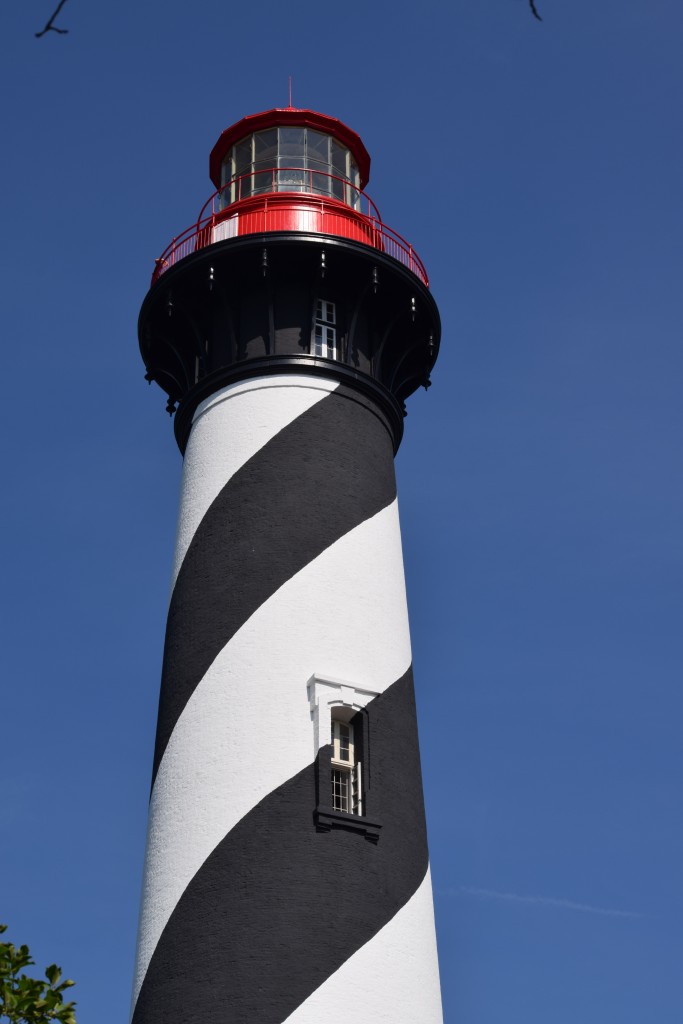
(286, 872)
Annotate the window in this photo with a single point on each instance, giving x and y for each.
(340, 735)
(324, 338)
(345, 771)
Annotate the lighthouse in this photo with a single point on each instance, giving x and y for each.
(286, 870)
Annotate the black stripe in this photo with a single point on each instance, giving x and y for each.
(319, 477)
(278, 907)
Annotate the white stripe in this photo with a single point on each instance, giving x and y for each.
(227, 430)
(247, 727)
(392, 979)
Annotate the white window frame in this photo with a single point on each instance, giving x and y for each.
(324, 334)
(336, 700)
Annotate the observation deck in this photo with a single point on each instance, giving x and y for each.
(306, 205)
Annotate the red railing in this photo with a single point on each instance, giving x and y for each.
(273, 203)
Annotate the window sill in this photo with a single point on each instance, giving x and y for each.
(326, 819)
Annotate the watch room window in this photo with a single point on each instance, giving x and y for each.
(324, 339)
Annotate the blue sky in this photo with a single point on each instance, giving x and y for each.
(537, 170)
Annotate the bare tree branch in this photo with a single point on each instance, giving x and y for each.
(50, 27)
(532, 5)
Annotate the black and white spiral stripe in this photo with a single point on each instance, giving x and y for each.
(288, 563)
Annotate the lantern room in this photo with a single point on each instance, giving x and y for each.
(289, 169)
(289, 150)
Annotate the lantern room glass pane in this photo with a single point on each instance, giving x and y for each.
(265, 158)
(291, 180)
(353, 190)
(243, 157)
(320, 184)
(265, 147)
(338, 155)
(291, 155)
(318, 150)
(292, 147)
(338, 168)
(263, 181)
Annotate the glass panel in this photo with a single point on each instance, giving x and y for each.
(291, 147)
(265, 148)
(343, 729)
(321, 184)
(226, 174)
(318, 159)
(242, 186)
(340, 789)
(318, 351)
(263, 180)
(353, 191)
(291, 181)
(242, 154)
(338, 159)
(317, 150)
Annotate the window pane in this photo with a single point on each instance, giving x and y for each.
(243, 186)
(265, 148)
(263, 181)
(291, 148)
(321, 184)
(318, 150)
(340, 789)
(353, 190)
(338, 159)
(318, 351)
(291, 181)
(242, 153)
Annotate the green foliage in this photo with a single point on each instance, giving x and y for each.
(25, 1000)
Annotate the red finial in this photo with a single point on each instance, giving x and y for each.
(290, 92)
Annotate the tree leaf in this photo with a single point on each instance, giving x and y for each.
(53, 973)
